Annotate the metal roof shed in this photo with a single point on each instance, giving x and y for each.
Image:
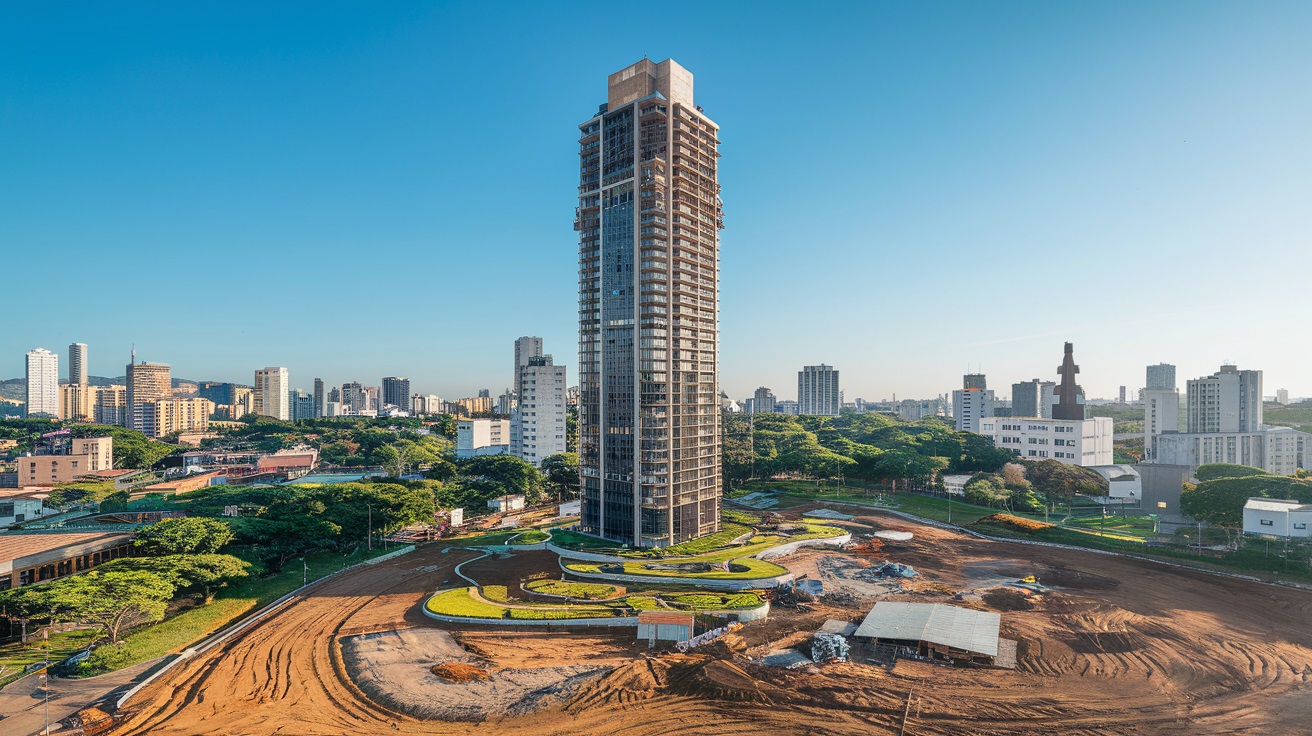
(957, 628)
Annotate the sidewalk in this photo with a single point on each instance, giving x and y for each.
(22, 708)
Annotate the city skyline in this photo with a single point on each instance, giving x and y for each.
(1168, 158)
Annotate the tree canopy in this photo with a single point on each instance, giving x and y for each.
(182, 536)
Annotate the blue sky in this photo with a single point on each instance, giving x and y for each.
(912, 189)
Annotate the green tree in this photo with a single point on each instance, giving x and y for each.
(186, 535)
(506, 475)
(562, 473)
(113, 601)
(1212, 471)
(1057, 480)
(188, 573)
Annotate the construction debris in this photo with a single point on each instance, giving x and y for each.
(829, 648)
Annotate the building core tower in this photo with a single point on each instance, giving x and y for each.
(648, 219)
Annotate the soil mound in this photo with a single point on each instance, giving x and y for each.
(637, 680)
(459, 672)
(721, 680)
(1008, 599)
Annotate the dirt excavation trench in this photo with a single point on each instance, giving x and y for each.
(1115, 647)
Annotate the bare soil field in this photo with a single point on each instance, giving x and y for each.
(1116, 646)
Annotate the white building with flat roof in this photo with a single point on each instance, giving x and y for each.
(475, 437)
(1276, 517)
(1084, 442)
(1278, 450)
(537, 429)
(1161, 413)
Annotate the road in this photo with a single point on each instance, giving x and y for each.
(22, 708)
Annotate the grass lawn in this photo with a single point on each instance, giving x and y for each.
(15, 657)
(532, 536)
(571, 589)
(1139, 527)
(458, 602)
(478, 540)
(583, 542)
(228, 606)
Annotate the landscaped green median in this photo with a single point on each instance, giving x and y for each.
(572, 589)
(465, 603)
(741, 563)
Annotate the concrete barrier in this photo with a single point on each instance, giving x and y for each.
(587, 556)
(246, 623)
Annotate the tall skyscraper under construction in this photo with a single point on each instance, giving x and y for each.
(648, 218)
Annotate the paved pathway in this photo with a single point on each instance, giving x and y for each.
(22, 708)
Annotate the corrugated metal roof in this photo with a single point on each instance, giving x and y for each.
(665, 617)
(959, 628)
(19, 546)
(1276, 504)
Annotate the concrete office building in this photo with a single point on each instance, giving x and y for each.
(1072, 441)
(147, 382)
(1229, 400)
(301, 404)
(1282, 396)
(526, 348)
(354, 398)
(396, 392)
(648, 219)
(77, 364)
(271, 395)
(475, 437)
(1278, 450)
(1032, 398)
(969, 406)
(1161, 376)
(320, 399)
(1161, 413)
(763, 401)
(817, 391)
(42, 384)
(538, 423)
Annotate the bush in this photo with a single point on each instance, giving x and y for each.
(1212, 471)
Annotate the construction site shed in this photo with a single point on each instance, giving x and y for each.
(930, 630)
(654, 626)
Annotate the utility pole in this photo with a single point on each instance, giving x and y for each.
(305, 573)
(371, 526)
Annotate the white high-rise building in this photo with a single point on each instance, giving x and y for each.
(969, 406)
(77, 363)
(271, 397)
(42, 384)
(817, 391)
(1229, 400)
(648, 219)
(1161, 413)
(538, 422)
(525, 349)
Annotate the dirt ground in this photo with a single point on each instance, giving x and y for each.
(1117, 646)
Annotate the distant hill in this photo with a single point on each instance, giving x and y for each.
(16, 388)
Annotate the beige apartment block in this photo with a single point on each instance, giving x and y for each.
(76, 402)
(87, 455)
